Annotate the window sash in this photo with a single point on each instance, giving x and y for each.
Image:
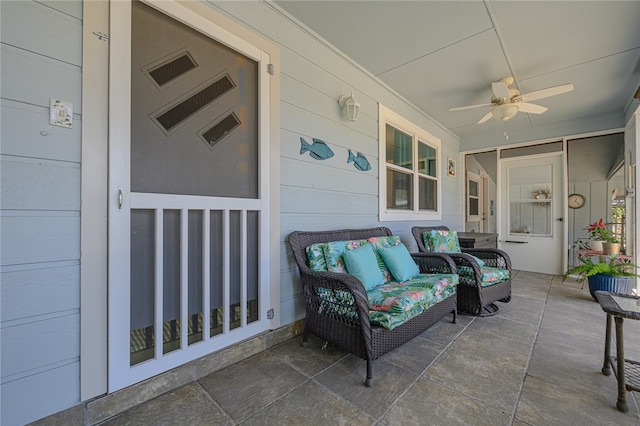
(410, 182)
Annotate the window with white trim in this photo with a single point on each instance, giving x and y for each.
(409, 170)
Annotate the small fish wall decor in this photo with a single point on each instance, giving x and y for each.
(318, 150)
(359, 161)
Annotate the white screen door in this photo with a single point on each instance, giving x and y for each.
(532, 203)
(188, 200)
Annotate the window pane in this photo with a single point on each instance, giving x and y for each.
(399, 148)
(473, 206)
(399, 191)
(428, 194)
(426, 159)
(473, 188)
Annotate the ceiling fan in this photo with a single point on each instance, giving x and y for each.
(507, 101)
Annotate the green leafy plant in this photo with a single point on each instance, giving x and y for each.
(606, 265)
(598, 231)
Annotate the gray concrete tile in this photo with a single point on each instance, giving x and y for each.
(492, 347)
(248, 386)
(428, 402)
(346, 379)
(444, 331)
(499, 325)
(494, 383)
(309, 360)
(189, 405)
(310, 404)
(544, 403)
(415, 355)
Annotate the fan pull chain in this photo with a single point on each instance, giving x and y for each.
(506, 135)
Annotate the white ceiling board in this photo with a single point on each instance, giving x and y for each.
(540, 38)
(444, 54)
(381, 35)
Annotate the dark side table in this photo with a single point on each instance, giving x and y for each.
(619, 307)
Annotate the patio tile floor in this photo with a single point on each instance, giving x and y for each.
(535, 363)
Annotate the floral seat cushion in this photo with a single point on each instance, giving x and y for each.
(392, 304)
(490, 275)
(404, 297)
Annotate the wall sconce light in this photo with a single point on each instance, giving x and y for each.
(350, 105)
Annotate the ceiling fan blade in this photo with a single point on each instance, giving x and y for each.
(469, 107)
(545, 93)
(487, 117)
(531, 108)
(500, 90)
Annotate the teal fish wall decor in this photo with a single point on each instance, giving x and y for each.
(359, 161)
(318, 150)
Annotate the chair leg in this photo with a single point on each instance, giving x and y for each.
(367, 382)
(488, 310)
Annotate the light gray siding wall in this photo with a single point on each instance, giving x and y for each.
(41, 48)
(330, 194)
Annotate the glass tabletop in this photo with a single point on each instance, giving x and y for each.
(629, 304)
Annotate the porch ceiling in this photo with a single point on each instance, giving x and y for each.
(444, 54)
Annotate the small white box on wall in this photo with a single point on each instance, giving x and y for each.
(60, 113)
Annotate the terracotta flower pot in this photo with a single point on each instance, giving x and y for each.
(611, 248)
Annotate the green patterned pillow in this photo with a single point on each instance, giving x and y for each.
(438, 241)
(333, 253)
(315, 254)
(379, 243)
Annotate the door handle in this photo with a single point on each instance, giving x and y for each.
(515, 242)
(120, 199)
(560, 219)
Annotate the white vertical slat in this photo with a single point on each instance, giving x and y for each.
(243, 267)
(206, 273)
(184, 278)
(158, 284)
(225, 268)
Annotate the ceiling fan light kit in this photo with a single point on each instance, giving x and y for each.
(507, 101)
(505, 112)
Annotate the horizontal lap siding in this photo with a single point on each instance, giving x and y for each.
(331, 193)
(40, 219)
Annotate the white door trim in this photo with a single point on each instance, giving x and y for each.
(121, 200)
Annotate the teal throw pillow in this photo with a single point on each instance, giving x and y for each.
(362, 263)
(399, 262)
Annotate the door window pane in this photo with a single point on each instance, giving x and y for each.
(473, 188)
(473, 206)
(530, 213)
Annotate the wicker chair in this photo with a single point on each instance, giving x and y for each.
(473, 297)
(347, 325)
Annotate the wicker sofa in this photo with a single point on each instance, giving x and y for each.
(476, 292)
(344, 319)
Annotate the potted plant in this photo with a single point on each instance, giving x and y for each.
(598, 234)
(608, 273)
